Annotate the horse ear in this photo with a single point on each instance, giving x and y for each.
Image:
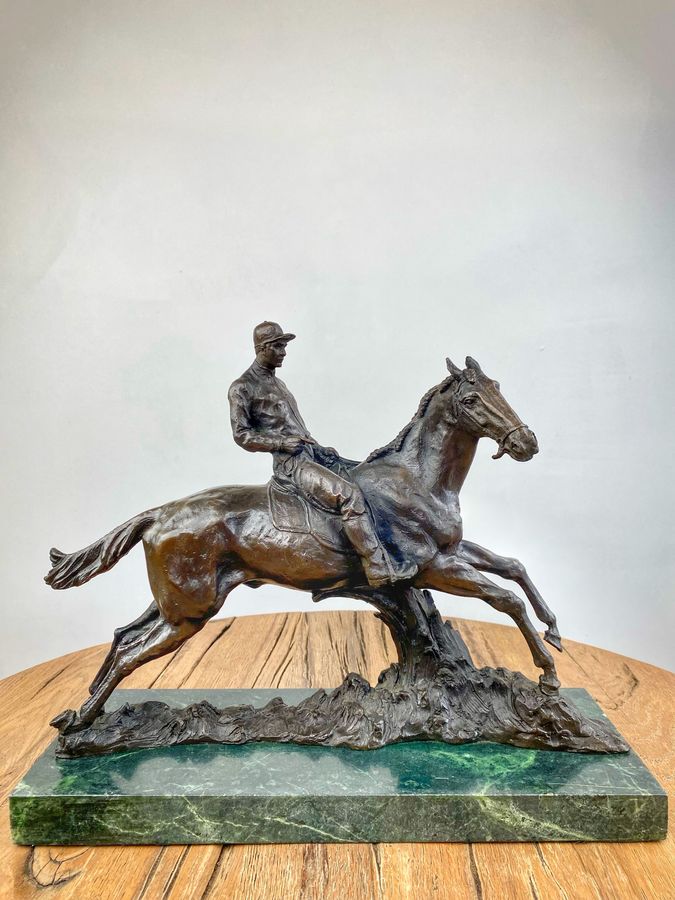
(471, 363)
(452, 368)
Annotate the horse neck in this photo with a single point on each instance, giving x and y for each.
(442, 454)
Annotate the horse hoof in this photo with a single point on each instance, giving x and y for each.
(548, 684)
(551, 635)
(64, 721)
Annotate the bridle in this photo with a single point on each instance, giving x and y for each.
(501, 450)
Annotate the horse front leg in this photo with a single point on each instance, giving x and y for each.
(453, 575)
(506, 567)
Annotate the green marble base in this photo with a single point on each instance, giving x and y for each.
(284, 793)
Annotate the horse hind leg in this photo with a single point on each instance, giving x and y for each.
(155, 639)
(160, 638)
(124, 636)
(149, 637)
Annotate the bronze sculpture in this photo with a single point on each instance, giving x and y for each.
(384, 530)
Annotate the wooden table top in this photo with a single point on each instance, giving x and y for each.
(316, 650)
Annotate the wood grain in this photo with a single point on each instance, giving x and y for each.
(316, 650)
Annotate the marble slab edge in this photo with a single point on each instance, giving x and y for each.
(282, 793)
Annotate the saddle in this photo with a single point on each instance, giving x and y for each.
(291, 512)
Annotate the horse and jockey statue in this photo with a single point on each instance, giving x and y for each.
(323, 524)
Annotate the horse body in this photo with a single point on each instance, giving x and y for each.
(200, 548)
(210, 537)
(226, 534)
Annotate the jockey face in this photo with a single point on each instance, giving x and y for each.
(272, 355)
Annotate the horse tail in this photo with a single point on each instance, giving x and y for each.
(71, 569)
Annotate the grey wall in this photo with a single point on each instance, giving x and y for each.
(394, 182)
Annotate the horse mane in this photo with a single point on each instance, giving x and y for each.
(395, 445)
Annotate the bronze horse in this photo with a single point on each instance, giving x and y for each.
(200, 548)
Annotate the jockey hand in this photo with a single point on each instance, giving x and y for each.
(294, 444)
(331, 453)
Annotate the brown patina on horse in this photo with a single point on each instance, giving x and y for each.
(200, 548)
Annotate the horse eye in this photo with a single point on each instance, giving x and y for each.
(470, 400)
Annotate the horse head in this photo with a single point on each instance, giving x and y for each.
(482, 410)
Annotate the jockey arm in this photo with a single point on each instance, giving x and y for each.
(253, 439)
(243, 431)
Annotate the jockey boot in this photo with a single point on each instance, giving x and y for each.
(375, 559)
(378, 568)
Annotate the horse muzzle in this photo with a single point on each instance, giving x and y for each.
(520, 443)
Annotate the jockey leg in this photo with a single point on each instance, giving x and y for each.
(338, 495)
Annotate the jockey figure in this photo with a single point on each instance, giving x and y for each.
(265, 417)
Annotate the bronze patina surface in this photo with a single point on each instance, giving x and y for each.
(385, 530)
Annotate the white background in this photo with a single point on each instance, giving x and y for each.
(395, 182)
